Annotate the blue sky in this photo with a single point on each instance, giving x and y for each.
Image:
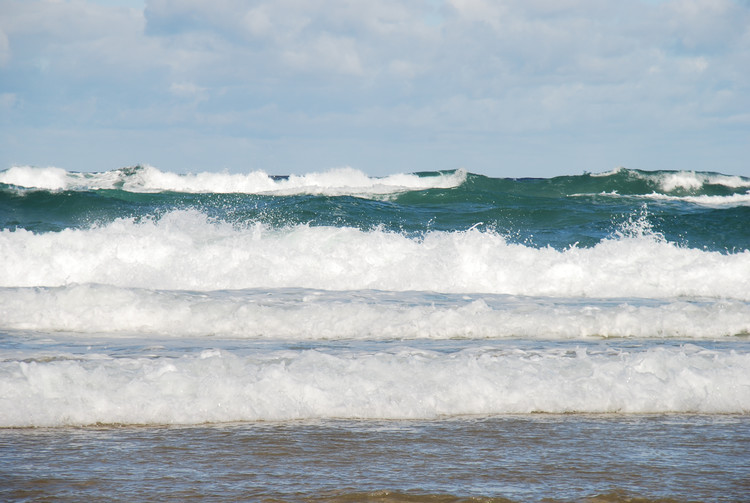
(503, 88)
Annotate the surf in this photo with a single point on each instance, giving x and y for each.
(300, 314)
(215, 385)
(148, 179)
(187, 250)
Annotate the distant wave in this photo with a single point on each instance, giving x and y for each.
(349, 181)
(701, 188)
(669, 180)
(334, 182)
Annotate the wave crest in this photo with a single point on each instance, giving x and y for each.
(333, 182)
(187, 250)
(400, 383)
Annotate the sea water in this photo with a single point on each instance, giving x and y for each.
(338, 337)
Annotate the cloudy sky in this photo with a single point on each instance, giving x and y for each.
(503, 87)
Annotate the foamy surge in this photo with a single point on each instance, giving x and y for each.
(341, 181)
(217, 386)
(313, 314)
(185, 251)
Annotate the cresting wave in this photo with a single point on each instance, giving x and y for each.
(702, 188)
(406, 383)
(671, 181)
(334, 182)
(688, 185)
(185, 250)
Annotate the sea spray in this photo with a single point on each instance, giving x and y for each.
(186, 250)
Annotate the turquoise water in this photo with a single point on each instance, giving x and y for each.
(338, 337)
(698, 210)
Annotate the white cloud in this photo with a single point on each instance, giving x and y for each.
(8, 101)
(704, 25)
(258, 22)
(404, 69)
(77, 38)
(696, 65)
(384, 69)
(186, 89)
(325, 53)
(343, 37)
(4, 49)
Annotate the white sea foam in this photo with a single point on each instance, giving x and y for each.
(183, 250)
(731, 200)
(691, 180)
(704, 200)
(38, 178)
(218, 385)
(670, 181)
(374, 315)
(334, 182)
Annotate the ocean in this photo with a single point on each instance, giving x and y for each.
(332, 336)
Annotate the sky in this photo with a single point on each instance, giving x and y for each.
(504, 88)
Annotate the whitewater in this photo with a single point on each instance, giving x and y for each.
(333, 336)
(414, 295)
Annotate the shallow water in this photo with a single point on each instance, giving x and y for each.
(521, 458)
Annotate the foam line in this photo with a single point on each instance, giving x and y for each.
(333, 182)
(219, 386)
(300, 314)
